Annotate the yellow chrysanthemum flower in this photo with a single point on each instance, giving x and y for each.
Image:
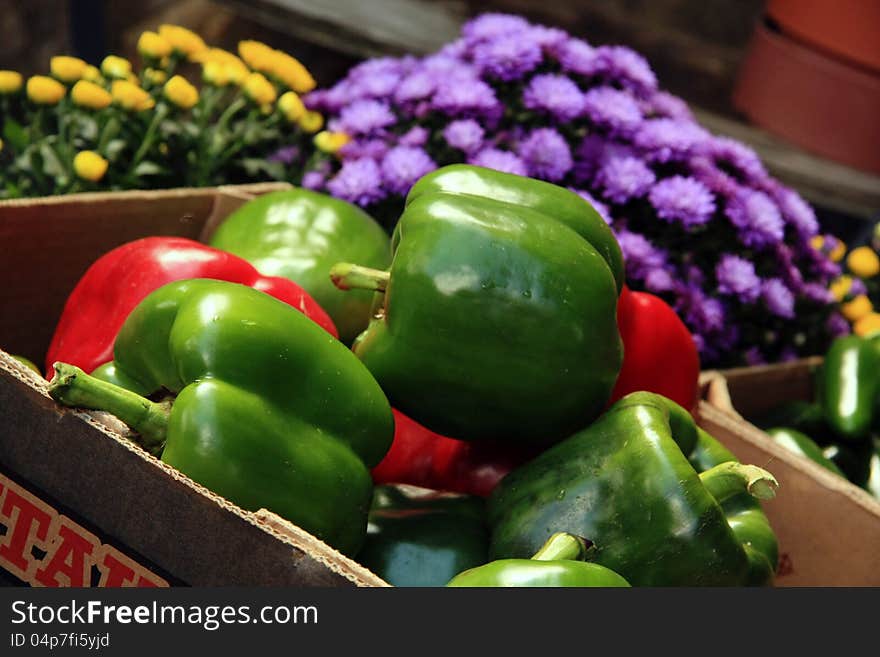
(67, 69)
(215, 73)
(867, 325)
(44, 90)
(180, 92)
(89, 165)
(183, 40)
(817, 242)
(220, 56)
(291, 106)
(259, 89)
(155, 75)
(153, 46)
(857, 308)
(88, 94)
(311, 122)
(115, 67)
(93, 74)
(256, 54)
(837, 253)
(130, 96)
(292, 73)
(331, 142)
(10, 82)
(863, 262)
(840, 287)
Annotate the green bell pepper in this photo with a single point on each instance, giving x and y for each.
(625, 483)
(800, 443)
(559, 562)
(418, 537)
(270, 410)
(300, 234)
(498, 319)
(847, 386)
(743, 512)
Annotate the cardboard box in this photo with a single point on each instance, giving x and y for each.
(80, 504)
(828, 528)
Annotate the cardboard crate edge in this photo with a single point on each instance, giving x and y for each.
(301, 543)
(134, 195)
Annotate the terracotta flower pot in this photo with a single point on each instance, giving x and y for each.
(849, 29)
(811, 99)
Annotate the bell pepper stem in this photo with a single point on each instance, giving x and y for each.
(562, 546)
(731, 478)
(347, 276)
(73, 387)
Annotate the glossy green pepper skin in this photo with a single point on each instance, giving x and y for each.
(743, 512)
(498, 320)
(546, 198)
(299, 234)
(417, 537)
(270, 410)
(800, 443)
(847, 387)
(625, 483)
(558, 563)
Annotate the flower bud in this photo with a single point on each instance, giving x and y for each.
(180, 92)
(67, 69)
(88, 94)
(44, 90)
(89, 165)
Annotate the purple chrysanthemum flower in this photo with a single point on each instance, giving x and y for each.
(837, 325)
(857, 287)
(547, 38)
(330, 100)
(465, 134)
(639, 254)
(736, 277)
(665, 105)
(779, 299)
(659, 280)
(365, 117)
(665, 140)
(373, 149)
(358, 181)
(600, 207)
(797, 212)
(465, 96)
(613, 110)
(622, 178)
(757, 218)
(754, 357)
(507, 58)
(626, 67)
(403, 166)
(415, 136)
(790, 272)
(817, 292)
(576, 56)
(284, 155)
(682, 199)
(555, 95)
(313, 180)
(416, 86)
(546, 154)
(493, 158)
(589, 155)
(731, 153)
(491, 25)
(376, 78)
(714, 178)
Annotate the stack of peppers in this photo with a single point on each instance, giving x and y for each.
(496, 360)
(840, 428)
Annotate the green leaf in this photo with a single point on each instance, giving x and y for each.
(52, 165)
(255, 166)
(114, 148)
(14, 134)
(147, 168)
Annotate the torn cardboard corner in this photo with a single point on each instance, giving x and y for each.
(828, 528)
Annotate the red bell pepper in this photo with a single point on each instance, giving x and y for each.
(120, 279)
(659, 352)
(420, 457)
